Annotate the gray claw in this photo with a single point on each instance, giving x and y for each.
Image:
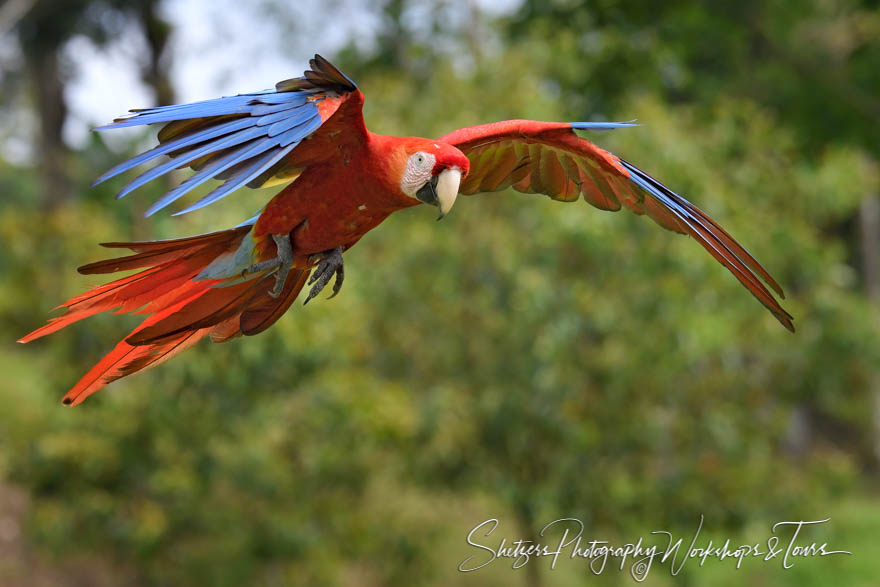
(283, 261)
(330, 265)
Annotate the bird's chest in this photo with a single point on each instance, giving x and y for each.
(337, 222)
(333, 205)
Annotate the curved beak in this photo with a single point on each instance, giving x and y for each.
(442, 190)
(447, 189)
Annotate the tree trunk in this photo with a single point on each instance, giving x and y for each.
(526, 521)
(156, 73)
(54, 157)
(869, 245)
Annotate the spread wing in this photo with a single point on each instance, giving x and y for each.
(549, 158)
(251, 139)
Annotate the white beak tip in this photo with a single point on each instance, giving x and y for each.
(447, 189)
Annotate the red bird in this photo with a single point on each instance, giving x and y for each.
(344, 181)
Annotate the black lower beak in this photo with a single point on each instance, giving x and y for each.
(428, 193)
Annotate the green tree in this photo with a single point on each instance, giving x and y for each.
(524, 359)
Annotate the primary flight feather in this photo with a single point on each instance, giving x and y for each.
(343, 181)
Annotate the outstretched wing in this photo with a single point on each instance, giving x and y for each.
(250, 139)
(549, 158)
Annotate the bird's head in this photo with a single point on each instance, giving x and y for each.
(432, 173)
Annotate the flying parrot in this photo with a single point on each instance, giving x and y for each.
(342, 181)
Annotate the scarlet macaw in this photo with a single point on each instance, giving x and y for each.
(344, 181)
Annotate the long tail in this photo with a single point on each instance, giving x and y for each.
(183, 304)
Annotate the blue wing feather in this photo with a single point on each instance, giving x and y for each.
(240, 179)
(286, 124)
(251, 149)
(264, 111)
(299, 113)
(601, 125)
(737, 259)
(281, 97)
(300, 132)
(216, 107)
(265, 127)
(226, 142)
(272, 124)
(176, 144)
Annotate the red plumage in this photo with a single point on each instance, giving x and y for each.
(184, 309)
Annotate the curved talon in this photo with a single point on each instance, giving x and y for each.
(261, 266)
(285, 254)
(330, 265)
(283, 261)
(337, 285)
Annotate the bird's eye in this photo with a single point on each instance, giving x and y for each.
(420, 159)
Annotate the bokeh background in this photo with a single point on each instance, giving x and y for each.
(524, 359)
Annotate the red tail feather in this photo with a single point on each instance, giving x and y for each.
(184, 310)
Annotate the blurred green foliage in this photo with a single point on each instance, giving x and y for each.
(524, 359)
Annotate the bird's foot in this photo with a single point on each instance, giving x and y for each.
(331, 263)
(283, 261)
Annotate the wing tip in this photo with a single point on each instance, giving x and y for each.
(75, 396)
(603, 125)
(323, 75)
(726, 250)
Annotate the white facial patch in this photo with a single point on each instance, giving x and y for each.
(417, 173)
